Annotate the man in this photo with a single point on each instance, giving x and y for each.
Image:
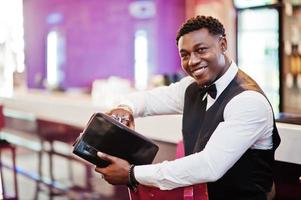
(228, 129)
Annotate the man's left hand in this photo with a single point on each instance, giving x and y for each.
(117, 173)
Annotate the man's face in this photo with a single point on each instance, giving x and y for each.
(202, 56)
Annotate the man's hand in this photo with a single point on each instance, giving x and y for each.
(117, 173)
(123, 115)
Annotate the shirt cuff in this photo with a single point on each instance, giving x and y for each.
(146, 174)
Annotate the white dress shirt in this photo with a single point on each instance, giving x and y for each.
(248, 123)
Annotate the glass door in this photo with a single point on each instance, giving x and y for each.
(258, 49)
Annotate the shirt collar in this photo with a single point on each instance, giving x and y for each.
(226, 78)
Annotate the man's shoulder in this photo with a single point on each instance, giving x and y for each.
(251, 100)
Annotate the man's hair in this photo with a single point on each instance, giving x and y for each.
(214, 26)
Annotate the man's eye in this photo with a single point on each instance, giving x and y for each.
(201, 50)
(184, 56)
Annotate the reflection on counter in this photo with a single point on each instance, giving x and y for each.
(289, 118)
(107, 92)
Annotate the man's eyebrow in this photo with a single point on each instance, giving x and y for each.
(183, 51)
(195, 46)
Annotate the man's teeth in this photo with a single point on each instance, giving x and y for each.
(198, 70)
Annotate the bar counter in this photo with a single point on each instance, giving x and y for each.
(75, 109)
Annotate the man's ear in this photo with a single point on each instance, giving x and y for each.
(224, 44)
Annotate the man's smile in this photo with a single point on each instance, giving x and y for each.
(198, 71)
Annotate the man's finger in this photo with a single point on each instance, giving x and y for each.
(106, 157)
(100, 170)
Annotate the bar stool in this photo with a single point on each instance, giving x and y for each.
(4, 146)
(49, 133)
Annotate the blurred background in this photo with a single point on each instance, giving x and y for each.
(62, 60)
(67, 45)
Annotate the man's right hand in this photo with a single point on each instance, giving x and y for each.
(123, 115)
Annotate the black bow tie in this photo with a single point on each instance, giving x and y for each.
(211, 90)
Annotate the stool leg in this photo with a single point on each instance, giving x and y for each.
(2, 178)
(40, 170)
(70, 170)
(15, 172)
(88, 177)
(51, 173)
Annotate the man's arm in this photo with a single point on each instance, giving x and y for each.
(157, 101)
(248, 124)
(161, 100)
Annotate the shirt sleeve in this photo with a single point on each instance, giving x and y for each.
(248, 119)
(158, 101)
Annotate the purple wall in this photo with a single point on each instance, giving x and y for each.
(99, 38)
(171, 14)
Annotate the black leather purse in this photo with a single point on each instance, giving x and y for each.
(109, 136)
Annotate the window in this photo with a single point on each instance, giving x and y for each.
(141, 59)
(11, 43)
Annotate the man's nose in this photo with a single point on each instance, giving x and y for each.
(194, 59)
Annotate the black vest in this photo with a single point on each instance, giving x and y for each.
(251, 176)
